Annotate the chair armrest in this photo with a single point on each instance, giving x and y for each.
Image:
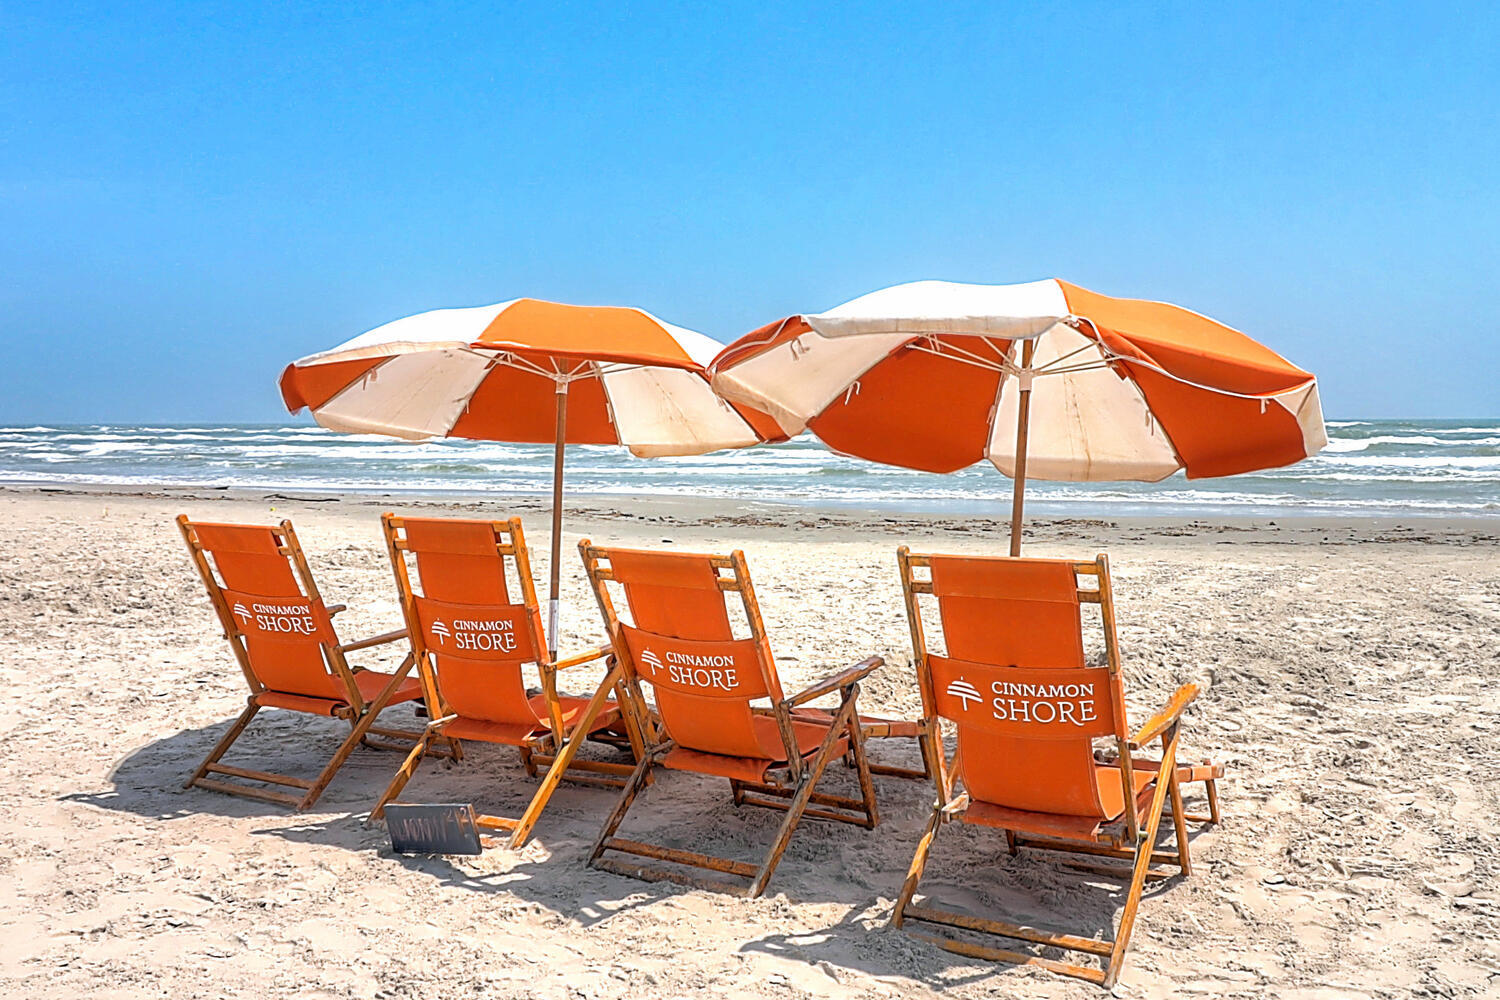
(1167, 717)
(840, 680)
(587, 656)
(956, 805)
(334, 609)
(374, 640)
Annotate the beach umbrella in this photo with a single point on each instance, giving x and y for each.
(528, 371)
(1045, 379)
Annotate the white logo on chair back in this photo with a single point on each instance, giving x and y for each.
(489, 635)
(651, 660)
(965, 692)
(242, 612)
(294, 619)
(1044, 703)
(703, 670)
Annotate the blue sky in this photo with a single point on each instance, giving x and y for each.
(193, 195)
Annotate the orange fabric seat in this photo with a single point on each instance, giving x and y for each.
(1045, 824)
(473, 641)
(282, 634)
(809, 735)
(519, 734)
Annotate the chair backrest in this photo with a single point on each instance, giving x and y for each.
(680, 640)
(1015, 680)
(471, 638)
(273, 616)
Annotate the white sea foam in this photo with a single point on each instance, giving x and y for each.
(1379, 467)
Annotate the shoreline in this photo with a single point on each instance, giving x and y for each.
(1290, 527)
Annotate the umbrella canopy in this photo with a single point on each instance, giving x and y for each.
(493, 372)
(1044, 379)
(529, 371)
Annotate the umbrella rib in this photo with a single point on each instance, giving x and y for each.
(930, 345)
(1049, 366)
(1110, 355)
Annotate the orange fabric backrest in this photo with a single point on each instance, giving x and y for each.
(457, 560)
(683, 645)
(1009, 624)
(474, 637)
(703, 689)
(283, 629)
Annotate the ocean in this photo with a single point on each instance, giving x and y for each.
(1370, 467)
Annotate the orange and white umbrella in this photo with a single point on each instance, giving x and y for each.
(1045, 379)
(528, 371)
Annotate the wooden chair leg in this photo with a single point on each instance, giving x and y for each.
(357, 733)
(563, 760)
(862, 768)
(1179, 825)
(1114, 964)
(622, 805)
(799, 801)
(918, 862)
(403, 774)
(225, 742)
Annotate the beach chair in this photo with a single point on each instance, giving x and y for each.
(1015, 683)
(283, 637)
(720, 710)
(471, 640)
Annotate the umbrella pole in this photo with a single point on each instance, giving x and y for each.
(1023, 420)
(559, 444)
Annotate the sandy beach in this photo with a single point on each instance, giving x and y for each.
(1349, 673)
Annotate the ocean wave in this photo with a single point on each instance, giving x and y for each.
(1376, 467)
(1337, 445)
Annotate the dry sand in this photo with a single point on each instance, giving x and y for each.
(1350, 683)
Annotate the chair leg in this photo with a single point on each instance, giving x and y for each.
(403, 775)
(1179, 825)
(225, 742)
(1213, 800)
(563, 760)
(1114, 964)
(918, 862)
(622, 805)
(357, 733)
(862, 768)
(799, 800)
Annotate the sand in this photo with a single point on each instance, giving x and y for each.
(1350, 685)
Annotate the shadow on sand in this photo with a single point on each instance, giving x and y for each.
(825, 863)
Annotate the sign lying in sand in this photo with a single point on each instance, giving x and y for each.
(432, 828)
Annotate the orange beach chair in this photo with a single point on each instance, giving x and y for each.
(283, 637)
(472, 639)
(711, 717)
(1028, 709)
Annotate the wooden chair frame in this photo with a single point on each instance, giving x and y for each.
(794, 791)
(557, 748)
(356, 710)
(1125, 838)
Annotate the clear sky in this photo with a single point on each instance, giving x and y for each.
(193, 195)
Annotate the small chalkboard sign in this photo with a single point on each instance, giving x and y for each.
(432, 828)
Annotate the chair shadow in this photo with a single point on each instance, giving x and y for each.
(682, 810)
(969, 871)
(825, 862)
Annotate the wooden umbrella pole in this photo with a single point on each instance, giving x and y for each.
(559, 444)
(1023, 418)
